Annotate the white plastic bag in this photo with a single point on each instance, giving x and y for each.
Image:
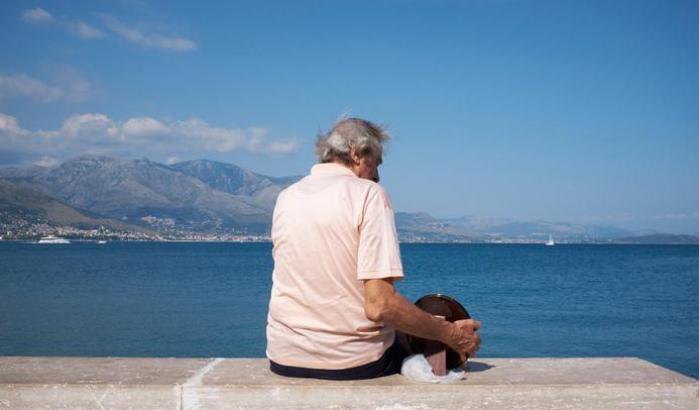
(417, 368)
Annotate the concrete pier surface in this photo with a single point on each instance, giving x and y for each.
(169, 383)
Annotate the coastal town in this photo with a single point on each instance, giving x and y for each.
(35, 231)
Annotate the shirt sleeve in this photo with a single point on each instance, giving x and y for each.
(379, 253)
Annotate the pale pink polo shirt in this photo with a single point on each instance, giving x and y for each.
(330, 231)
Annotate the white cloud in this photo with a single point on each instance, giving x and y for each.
(213, 138)
(150, 40)
(77, 28)
(282, 147)
(23, 85)
(46, 161)
(96, 133)
(87, 124)
(84, 30)
(9, 125)
(137, 35)
(37, 15)
(71, 87)
(143, 127)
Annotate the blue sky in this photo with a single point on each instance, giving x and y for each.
(585, 111)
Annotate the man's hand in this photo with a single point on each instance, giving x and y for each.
(384, 303)
(463, 339)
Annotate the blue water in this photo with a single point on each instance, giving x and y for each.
(210, 299)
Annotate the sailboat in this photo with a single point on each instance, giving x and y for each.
(550, 242)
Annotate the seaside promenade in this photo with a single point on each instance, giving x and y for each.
(216, 383)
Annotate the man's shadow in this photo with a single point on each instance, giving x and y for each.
(472, 367)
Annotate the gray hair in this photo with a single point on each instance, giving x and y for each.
(362, 136)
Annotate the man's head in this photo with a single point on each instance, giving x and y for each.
(355, 143)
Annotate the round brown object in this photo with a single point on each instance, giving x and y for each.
(451, 310)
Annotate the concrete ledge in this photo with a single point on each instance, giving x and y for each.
(134, 383)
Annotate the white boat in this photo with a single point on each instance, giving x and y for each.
(550, 242)
(101, 242)
(53, 240)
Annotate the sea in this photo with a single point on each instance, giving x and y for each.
(172, 299)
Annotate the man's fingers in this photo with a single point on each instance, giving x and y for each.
(475, 344)
(473, 324)
(470, 341)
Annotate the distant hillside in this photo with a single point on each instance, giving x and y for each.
(536, 230)
(235, 180)
(147, 192)
(21, 205)
(422, 226)
(660, 239)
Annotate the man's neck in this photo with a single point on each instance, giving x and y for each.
(350, 167)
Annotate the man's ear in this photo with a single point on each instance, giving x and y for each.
(354, 157)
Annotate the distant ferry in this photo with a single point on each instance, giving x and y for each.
(550, 242)
(53, 239)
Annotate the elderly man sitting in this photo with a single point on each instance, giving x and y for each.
(333, 311)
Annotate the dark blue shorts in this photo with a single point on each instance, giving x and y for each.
(390, 363)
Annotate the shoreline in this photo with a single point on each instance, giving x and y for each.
(81, 240)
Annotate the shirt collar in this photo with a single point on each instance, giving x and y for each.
(331, 168)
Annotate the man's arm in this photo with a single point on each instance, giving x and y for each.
(384, 304)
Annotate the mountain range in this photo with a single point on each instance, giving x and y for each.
(421, 226)
(211, 197)
(195, 196)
